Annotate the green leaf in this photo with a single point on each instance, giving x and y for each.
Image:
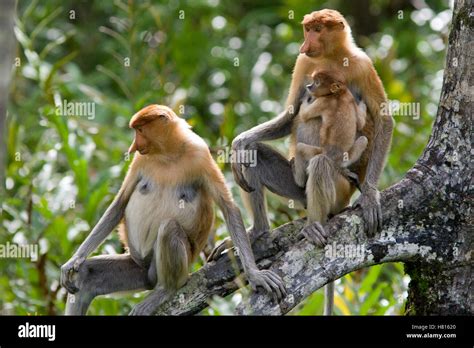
(370, 278)
(372, 299)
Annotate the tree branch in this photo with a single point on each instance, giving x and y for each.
(306, 268)
(426, 217)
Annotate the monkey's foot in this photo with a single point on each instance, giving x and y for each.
(315, 233)
(352, 177)
(268, 280)
(69, 272)
(227, 244)
(369, 201)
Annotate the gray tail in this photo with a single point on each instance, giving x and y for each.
(329, 298)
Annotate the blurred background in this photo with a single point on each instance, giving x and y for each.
(229, 63)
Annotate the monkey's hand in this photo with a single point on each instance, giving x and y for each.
(315, 233)
(227, 244)
(68, 272)
(270, 281)
(369, 201)
(239, 145)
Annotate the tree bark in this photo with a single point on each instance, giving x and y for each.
(427, 220)
(7, 44)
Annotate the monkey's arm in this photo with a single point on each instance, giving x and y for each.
(222, 196)
(378, 151)
(106, 224)
(276, 128)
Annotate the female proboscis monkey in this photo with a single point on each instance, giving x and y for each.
(165, 204)
(328, 45)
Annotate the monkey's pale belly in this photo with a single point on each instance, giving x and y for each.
(152, 207)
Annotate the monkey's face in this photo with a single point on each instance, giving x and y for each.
(324, 84)
(312, 45)
(152, 125)
(313, 86)
(322, 30)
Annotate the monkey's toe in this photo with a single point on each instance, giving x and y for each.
(315, 233)
(218, 251)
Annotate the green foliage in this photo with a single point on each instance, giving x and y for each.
(229, 64)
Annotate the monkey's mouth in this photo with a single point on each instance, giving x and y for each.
(312, 54)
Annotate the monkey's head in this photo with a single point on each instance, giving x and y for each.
(324, 32)
(153, 124)
(326, 83)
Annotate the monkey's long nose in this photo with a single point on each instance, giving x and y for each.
(132, 147)
(304, 48)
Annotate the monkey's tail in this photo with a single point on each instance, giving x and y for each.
(329, 298)
(320, 188)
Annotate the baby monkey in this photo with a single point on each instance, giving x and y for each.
(332, 107)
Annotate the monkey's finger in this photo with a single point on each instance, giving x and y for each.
(366, 215)
(277, 280)
(275, 288)
(322, 231)
(380, 218)
(265, 285)
(214, 255)
(374, 221)
(318, 231)
(313, 236)
(370, 222)
(70, 286)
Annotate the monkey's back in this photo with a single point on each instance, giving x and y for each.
(339, 126)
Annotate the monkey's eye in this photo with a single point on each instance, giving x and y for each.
(139, 129)
(318, 28)
(317, 82)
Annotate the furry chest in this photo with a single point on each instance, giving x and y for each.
(152, 204)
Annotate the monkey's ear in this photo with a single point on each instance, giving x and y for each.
(335, 87)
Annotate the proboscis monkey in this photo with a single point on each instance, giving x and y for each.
(328, 45)
(165, 204)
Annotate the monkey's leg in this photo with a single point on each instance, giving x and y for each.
(102, 275)
(304, 153)
(172, 259)
(308, 151)
(355, 152)
(274, 172)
